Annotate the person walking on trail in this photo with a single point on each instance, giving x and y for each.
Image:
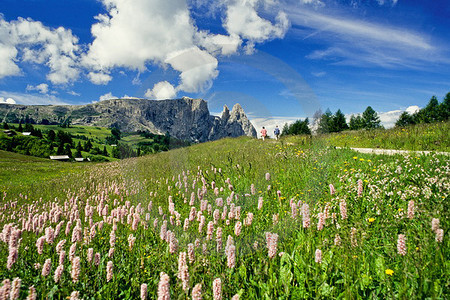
(276, 132)
(263, 133)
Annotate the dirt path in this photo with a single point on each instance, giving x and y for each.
(392, 152)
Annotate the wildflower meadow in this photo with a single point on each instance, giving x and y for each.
(231, 219)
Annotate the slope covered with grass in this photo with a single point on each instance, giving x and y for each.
(261, 220)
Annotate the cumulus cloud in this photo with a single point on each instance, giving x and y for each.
(7, 101)
(242, 19)
(149, 32)
(161, 90)
(107, 96)
(25, 40)
(99, 78)
(41, 88)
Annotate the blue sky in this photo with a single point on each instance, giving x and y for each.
(280, 59)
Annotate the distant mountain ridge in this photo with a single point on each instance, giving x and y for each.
(186, 118)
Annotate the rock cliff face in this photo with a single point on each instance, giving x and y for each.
(185, 118)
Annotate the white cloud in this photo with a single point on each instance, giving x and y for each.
(362, 43)
(131, 36)
(164, 33)
(30, 99)
(198, 68)
(99, 78)
(319, 74)
(243, 19)
(389, 118)
(25, 40)
(73, 93)
(7, 101)
(161, 91)
(107, 96)
(41, 88)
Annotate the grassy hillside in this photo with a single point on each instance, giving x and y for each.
(433, 137)
(95, 143)
(285, 233)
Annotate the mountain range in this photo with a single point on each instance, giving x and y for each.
(185, 118)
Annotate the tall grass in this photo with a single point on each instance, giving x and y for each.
(375, 190)
(416, 137)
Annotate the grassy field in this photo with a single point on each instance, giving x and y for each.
(235, 217)
(433, 137)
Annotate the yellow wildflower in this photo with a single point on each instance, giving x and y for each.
(389, 272)
(371, 220)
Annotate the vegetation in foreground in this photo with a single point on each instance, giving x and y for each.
(232, 218)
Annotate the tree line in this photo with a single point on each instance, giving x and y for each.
(328, 122)
(433, 112)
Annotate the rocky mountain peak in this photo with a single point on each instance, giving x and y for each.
(185, 118)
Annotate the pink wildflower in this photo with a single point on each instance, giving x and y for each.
(267, 176)
(321, 221)
(318, 257)
(401, 244)
(434, 224)
(305, 215)
(75, 272)
(360, 187)
(260, 203)
(31, 293)
(109, 271)
(237, 228)
(271, 243)
(58, 273)
(46, 268)
(144, 291)
(15, 289)
(411, 209)
(191, 253)
(12, 257)
(197, 292)
(332, 190)
(217, 289)
(231, 257)
(74, 295)
(343, 209)
(97, 258)
(337, 240)
(163, 287)
(439, 235)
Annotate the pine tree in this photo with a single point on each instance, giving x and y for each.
(370, 119)
(325, 123)
(60, 150)
(51, 136)
(68, 150)
(431, 112)
(356, 122)
(405, 119)
(285, 130)
(339, 122)
(79, 148)
(444, 108)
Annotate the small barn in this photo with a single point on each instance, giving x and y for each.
(59, 157)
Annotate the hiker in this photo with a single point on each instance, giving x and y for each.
(276, 132)
(263, 133)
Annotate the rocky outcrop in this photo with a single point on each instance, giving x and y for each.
(185, 118)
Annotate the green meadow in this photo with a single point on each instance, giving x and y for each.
(288, 219)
